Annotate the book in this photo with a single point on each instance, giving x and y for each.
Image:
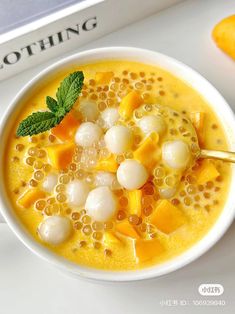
(32, 32)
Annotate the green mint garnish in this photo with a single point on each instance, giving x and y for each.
(66, 95)
(51, 104)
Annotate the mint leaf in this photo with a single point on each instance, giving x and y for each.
(51, 104)
(37, 122)
(69, 90)
(66, 95)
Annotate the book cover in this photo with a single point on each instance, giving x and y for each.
(34, 31)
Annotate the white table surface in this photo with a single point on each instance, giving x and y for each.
(29, 285)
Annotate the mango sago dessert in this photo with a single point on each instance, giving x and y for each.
(103, 168)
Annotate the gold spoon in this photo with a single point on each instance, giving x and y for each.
(206, 153)
(217, 154)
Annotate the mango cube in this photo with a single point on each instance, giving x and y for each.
(103, 77)
(110, 239)
(197, 119)
(148, 153)
(147, 249)
(126, 229)
(30, 197)
(167, 217)
(129, 103)
(135, 204)
(207, 172)
(108, 164)
(66, 129)
(60, 155)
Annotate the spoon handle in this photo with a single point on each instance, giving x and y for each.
(217, 154)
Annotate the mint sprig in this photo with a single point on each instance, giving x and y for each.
(66, 95)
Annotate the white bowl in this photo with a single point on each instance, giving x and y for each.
(212, 96)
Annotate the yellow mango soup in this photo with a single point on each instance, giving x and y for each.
(117, 185)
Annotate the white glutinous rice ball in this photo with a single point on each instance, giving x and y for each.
(104, 178)
(87, 134)
(89, 110)
(152, 123)
(101, 204)
(176, 154)
(167, 192)
(131, 174)
(118, 139)
(77, 191)
(109, 116)
(50, 182)
(55, 229)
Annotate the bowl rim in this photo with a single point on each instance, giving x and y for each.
(204, 244)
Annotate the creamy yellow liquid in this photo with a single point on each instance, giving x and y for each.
(157, 86)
